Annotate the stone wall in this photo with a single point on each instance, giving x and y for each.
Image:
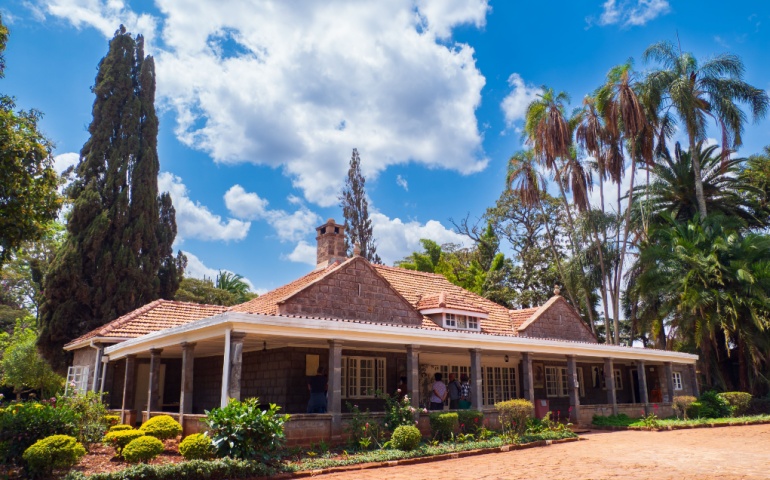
(354, 292)
(633, 410)
(207, 383)
(559, 321)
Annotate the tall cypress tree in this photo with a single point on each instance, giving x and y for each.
(117, 255)
(355, 209)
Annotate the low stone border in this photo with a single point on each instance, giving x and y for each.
(426, 459)
(679, 427)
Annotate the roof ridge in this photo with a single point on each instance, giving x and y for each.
(111, 325)
(407, 270)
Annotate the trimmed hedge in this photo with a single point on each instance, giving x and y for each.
(470, 420)
(406, 437)
(197, 447)
(121, 438)
(514, 414)
(112, 420)
(142, 449)
(52, 453)
(120, 428)
(162, 427)
(443, 425)
(739, 401)
(681, 404)
(223, 469)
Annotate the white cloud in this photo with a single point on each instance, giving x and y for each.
(442, 15)
(630, 12)
(515, 104)
(105, 16)
(401, 182)
(288, 226)
(303, 253)
(298, 85)
(194, 220)
(63, 161)
(396, 239)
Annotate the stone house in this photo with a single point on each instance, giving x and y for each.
(367, 326)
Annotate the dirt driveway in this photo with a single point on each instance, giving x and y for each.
(722, 453)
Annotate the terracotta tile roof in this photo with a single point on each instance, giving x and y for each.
(267, 304)
(414, 286)
(444, 300)
(155, 316)
(518, 317)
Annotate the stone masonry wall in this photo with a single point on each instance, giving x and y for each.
(559, 322)
(355, 292)
(207, 383)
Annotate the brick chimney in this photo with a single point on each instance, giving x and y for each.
(331, 244)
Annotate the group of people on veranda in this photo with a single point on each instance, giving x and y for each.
(458, 393)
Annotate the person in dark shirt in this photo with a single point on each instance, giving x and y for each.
(317, 386)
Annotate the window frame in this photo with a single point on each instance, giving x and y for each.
(618, 378)
(352, 367)
(452, 321)
(676, 378)
(77, 376)
(499, 383)
(561, 382)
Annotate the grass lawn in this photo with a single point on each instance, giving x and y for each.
(623, 420)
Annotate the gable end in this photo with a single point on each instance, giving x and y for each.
(558, 320)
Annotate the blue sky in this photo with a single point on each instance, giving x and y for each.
(261, 103)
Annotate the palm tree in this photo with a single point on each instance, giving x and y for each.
(233, 283)
(698, 92)
(625, 121)
(524, 180)
(725, 190)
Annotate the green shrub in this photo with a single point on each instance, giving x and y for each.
(738, 401)
(514, 414)
(619, 420)
(223, 469)
(243, 430)
(197, 447)
(142, 449)
(112, 420)
(398, 411)
(90, 416)
(406, 438)
(119, 439)
(470, 420)
(24, 423)
(120, 428)
(162, 427)
(709, 405)
(52, 453)
(443, 425)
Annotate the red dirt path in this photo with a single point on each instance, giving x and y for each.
(719, 453)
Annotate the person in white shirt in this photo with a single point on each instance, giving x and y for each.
(438, 394)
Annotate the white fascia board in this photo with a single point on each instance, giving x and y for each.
(456, 311)
(295, 327)
(87, 342)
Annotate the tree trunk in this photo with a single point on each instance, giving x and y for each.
(743, 368)
(556, 255)
(698, 180)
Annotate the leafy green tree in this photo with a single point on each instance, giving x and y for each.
(696, 92)
(29, 199)
(22, 367)
(117, 255)
(204, 291)
(355, 209)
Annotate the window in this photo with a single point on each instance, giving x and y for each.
(677, 381)
(77, 379)
(362, 376)
(557, 382)
(460, 322)
(618, 379)
(498, 384)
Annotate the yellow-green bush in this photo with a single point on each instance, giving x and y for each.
(161, 427)
(514, 414)
(112, 420)
(121, 427)
(682, 404)
(142, 449)
(121, 438)
(52, 453)
(406, 437)
(197, 447)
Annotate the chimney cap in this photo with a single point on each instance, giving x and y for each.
(331, 220)
(356, 250)
(556, 289)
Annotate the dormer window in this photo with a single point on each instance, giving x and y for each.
(460, 322)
